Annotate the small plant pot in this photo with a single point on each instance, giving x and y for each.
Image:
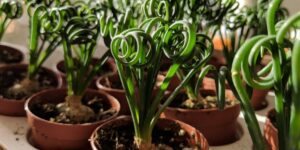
(270, 131)
(10, 55)
(15, 107)
(258, 99)
(191, 136)
(113, 86)
(46, 134)
(218, 126)
(108, 68)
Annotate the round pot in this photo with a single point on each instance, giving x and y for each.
(109, 65)
(193, 136)
(14, 107)
(271, 132)
(118, 93)
(10, 55)
(51, 135)
(218, 126)
(258, 99)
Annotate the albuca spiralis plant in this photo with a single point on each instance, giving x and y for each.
(281, 74)
(9, 10)
(43, 41)
(79, 39)
(138, 53)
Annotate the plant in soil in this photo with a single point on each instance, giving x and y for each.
(138, 53)
(9, 10)
(281, 74)
(209, 17)
(116, 136)
(240, 25)
(79, 39)
(41, 45)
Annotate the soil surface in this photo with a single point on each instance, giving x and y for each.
(49, 111)
(13, 77)
(208, 102)
(121, 138)
(9, 57)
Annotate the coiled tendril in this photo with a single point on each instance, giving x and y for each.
(133, 47)
(81, 30)
(212, 11)
(11, 9)
(169, 10)
(179, 41)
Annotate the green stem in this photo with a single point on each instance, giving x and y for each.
(271, 15)
(295, 108)
(248, 112)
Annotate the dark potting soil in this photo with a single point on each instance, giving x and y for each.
(10, 78)
(49, 111)
(9, 57)
(208, 102)
(122, 138)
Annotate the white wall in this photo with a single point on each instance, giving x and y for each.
(292, 5)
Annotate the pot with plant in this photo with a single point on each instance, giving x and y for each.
(281, 74)
(191, 105)
(9, 10)
(20, 81)
(212, 111)
(237, 27)
(65, 118)
(138, 53)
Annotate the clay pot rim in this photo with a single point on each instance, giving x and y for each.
(101, 86)
(13, 48)
(27, 109)
(126, 118)
(237, 104)
(268, 120)
(25, 66)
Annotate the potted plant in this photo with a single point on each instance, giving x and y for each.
(9, 10)
(65, 118)
(281, 74)
(237, 28)
(138, 53)
(20, 81)
(191, 105)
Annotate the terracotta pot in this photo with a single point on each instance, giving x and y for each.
(109, 64)
(258, 99)
(117, 93)
(271, 132)
(13, 107)
(218, 126)
(10, 55)
(51, 135)
(193, 135)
